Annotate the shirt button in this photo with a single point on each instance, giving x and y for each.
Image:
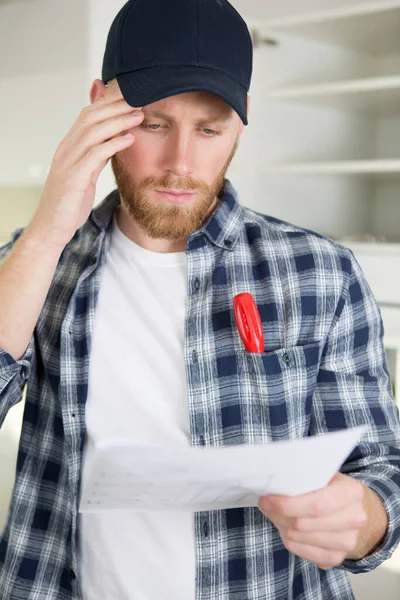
(194, 357)
(196, 284)
(228, 243)
(286, 358)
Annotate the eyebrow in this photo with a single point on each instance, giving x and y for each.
(214, 119)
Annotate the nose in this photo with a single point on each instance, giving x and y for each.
(179, 154)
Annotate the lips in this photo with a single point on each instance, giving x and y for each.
(173, 196)
(176, 192)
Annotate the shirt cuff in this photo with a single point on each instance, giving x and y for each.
(10, 368)
(385, 482)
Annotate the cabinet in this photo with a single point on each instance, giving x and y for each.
(328, 88)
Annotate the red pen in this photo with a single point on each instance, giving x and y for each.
(248, 322)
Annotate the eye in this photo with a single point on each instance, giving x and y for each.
(211, 132)
(150, 126)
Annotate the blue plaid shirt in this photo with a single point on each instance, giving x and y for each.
(324, 368)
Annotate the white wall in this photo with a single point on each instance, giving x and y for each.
(271, 9)
(40, 36)
(42, 83)
(36, 111)
(23, 202)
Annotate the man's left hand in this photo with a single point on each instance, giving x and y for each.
(324, 526)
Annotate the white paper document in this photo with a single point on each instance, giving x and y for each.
(129, 477)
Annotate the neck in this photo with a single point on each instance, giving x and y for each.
(132, 231)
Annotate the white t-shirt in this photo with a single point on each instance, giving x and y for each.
(137, 389)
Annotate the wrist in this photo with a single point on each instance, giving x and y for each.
(41, 237)
(374, 531)
(40, 242)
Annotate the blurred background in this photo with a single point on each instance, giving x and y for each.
(322, 149)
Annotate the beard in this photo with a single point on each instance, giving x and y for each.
(162, 220)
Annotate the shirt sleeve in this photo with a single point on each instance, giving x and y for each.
(13, 374)
(354, 389)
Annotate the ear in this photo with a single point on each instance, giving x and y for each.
(98, 90)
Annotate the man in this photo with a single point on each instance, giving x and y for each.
(121, 321)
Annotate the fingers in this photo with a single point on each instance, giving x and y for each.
(339, 494)
(352, 517)
(97, 123)
(101, 132)
(324, 526)
(325, 547)
(338, 533)
(327, 540)
(99, 112)
(324, 559)
(99, 155)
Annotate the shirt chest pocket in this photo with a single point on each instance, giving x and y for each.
(276, 392)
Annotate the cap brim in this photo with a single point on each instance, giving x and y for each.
(141, 88)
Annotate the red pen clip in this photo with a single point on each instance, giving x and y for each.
(248, 322)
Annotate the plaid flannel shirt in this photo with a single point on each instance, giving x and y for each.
(324, 368)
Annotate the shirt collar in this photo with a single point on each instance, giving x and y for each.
(222, 228)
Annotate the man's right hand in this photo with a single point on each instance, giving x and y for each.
(69, 192)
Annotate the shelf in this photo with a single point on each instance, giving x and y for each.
(370, 168)
(22, 180)
(371, 28)
(381, 264)
(391, 320)
(381, 94)
(379, 249)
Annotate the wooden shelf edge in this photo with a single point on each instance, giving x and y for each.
(389, 166)
(22, 183)
(335, 14)
(376, 248)
(353, 86)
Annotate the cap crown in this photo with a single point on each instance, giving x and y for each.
(203, 33)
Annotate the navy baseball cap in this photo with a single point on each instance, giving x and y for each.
(159, 48)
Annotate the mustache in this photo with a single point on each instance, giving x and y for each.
(170, 182)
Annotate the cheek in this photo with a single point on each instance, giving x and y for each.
(141, 153)
(215, 158)
(141, 142)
